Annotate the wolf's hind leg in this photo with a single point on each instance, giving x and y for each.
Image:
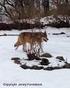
(24, 48)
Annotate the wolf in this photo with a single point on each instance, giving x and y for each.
(32, 38)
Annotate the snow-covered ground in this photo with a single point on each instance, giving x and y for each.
(12, 75)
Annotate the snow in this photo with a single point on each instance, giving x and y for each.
(11, 73)
(59, 44)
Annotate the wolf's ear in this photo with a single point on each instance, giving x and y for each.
(44, 32)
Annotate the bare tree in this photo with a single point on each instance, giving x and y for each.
(12, 9)
(45, 4)
(17, 10)
(66, 1)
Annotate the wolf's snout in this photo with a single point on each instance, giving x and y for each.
(15, 45)
(45, 39)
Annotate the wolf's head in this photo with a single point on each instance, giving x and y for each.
(15, 45)
(44, 36)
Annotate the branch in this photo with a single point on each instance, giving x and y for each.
(9, 3)
(7, 12)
